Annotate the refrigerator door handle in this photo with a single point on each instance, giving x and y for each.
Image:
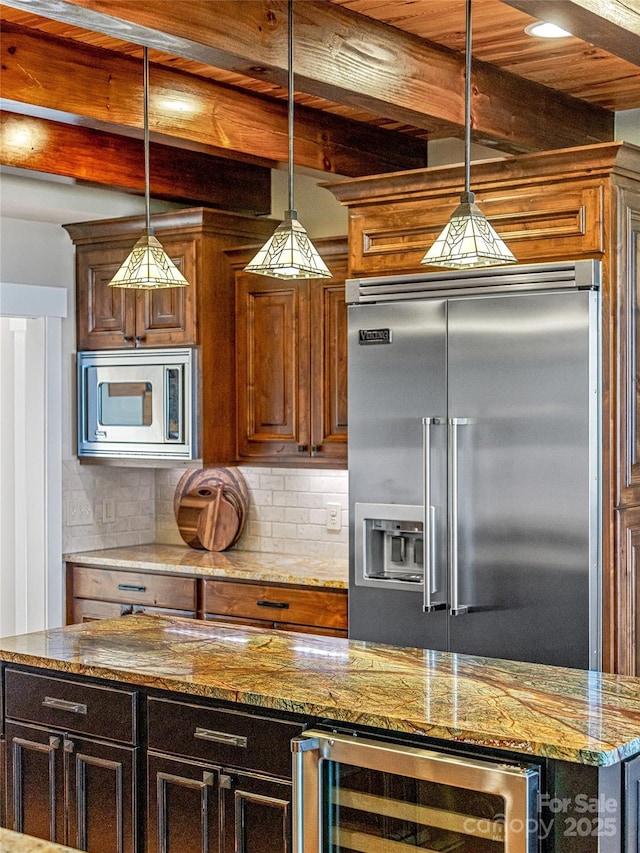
(456, 609)
(429, 586)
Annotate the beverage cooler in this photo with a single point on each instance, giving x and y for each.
(355, 794)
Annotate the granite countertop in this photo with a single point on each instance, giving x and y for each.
(16, 842)
(574, 715)
(247, 565)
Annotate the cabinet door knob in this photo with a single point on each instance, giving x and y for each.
(128, 339)
(315, 448)
(302, 448)
(140, 338)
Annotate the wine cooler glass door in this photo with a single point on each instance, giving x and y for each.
(353, 795)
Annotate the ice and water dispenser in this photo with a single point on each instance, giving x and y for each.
(389, 545)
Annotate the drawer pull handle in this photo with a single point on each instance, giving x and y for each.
(281, 605)
(131, 587)
(221, 737)
(64, 705)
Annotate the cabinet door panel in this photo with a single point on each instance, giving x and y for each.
(101, 796)
(167, 317)
(257, 815)
(628, 465)
(105, 315)
(35, 782)
(183, 806)
(329, 369)
(272, 357)
(626, 615)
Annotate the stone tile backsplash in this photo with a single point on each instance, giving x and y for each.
(287, 511)
(129, 492)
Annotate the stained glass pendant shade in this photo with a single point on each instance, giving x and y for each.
(468, 240)
(289, 253)
(147, 267)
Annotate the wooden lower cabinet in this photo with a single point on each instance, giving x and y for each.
(101, 593)
(94, 592)
(72, 790)
(71, 761)
(218, 780)
(204, 808)
(312, 610)
(183, 806)
(257, 814)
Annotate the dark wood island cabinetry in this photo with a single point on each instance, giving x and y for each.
(211, 715)
(73, 764)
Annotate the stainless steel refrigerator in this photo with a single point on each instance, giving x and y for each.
(474, 445)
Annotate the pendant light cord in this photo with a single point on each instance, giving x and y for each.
(467, 102)
(290, 96)
(145, 88)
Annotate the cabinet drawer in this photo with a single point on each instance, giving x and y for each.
(134, 587)
(321, 607)
(221, 737)
(87, 610)
(71, 706)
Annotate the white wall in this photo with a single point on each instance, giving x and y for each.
(628, 126)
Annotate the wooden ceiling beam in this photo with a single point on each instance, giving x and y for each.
(27, 142)
(105, 87)
(612, 25)
(351, 59)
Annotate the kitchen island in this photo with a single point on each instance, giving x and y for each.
(148, 682)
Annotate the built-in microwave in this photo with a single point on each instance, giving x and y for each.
(138, 404)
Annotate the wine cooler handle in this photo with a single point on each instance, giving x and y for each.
(429, 586)
(456, 608)
(304, 744)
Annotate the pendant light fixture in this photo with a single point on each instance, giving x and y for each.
(147, 267)
(468, 240)
(289, 253)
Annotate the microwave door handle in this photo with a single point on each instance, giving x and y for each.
(173, 404)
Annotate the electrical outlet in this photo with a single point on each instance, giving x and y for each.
(108, 511)
(334, 516)
(79, 512)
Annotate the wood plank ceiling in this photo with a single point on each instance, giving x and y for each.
(375, 79)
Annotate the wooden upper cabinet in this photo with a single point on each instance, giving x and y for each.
(201, 314)
(292, 365)
(112, 318)
(549, 206)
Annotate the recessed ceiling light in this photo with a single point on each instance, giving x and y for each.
(545, 30)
